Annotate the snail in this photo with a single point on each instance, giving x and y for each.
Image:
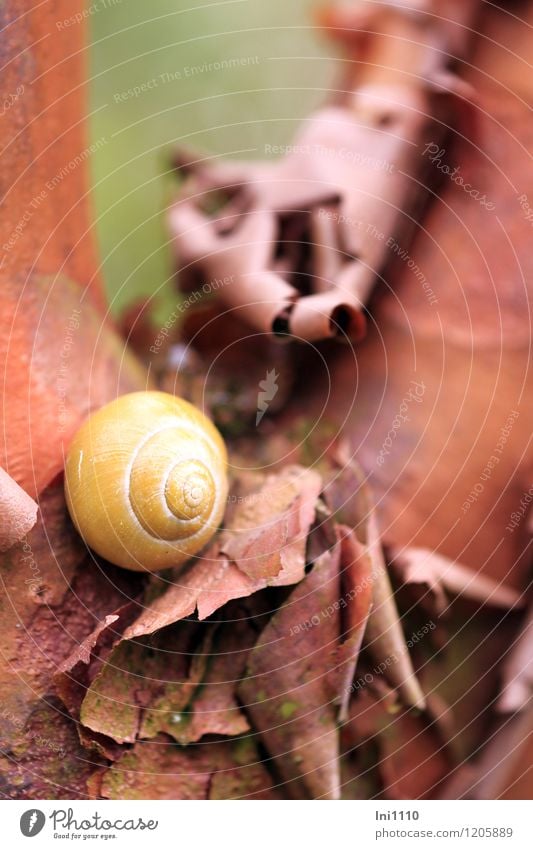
(145, 481)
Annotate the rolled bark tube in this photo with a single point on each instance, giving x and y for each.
(354, 170)
(18, 512)
(356, 281)
(327, 255)
(327, 315)
(193, 234)
(263, 299)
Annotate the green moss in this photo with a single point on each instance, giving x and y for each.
(244, 751)
(287, 709)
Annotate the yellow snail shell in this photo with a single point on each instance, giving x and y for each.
(145, 481)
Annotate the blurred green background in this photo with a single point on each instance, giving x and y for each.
(167, 47)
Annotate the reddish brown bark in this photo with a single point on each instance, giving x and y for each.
(52, 304)
(42, 132)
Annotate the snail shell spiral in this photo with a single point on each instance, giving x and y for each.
(145, 481)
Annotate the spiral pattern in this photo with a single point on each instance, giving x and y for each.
(171, 487)
(146, 481)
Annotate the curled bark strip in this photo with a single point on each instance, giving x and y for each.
(283, 508)
(517, 677)
(302, 241)
(287, 693)
(500, 765)
(356, 582)
(384, 631)
(238, 259)
(423, 566)
(18, 512)
(384, 638)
